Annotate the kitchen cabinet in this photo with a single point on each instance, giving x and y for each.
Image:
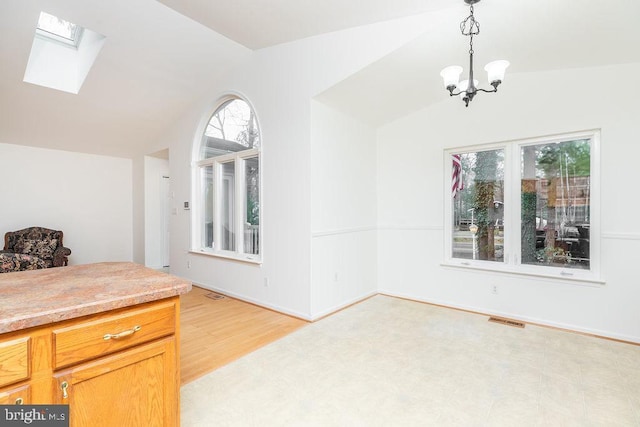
(114, 367)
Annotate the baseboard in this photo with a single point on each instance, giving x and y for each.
(627, 339)
(335, 309)
(262, 304)
(445, 304)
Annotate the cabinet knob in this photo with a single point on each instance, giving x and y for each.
(64, 386)
(19, 401)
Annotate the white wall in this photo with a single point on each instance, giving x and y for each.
(88, 197)
(410, 198)
(154, 200)
(343, 210)
(279, 82)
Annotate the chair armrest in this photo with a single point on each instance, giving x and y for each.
(60, 256)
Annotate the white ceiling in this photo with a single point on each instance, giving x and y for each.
(261, 23)
(157, 62)
(153, 67)
(534, 36)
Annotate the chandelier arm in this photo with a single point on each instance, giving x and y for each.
(478, 89)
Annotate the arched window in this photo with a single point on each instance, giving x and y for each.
(228, 175)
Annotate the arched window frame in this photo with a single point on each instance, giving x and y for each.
(212, 204)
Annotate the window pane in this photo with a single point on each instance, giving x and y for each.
(478, 205)
(207, 208)
(232, 128)
(56, 26)
(556, 204)
(252, 206)
(59, 29)
(227, 206)
(231, 144)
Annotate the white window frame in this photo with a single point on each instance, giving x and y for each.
(197, 213)
(73, 41)
(512, 212)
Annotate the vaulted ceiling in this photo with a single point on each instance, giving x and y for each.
(162, 53)
(257, 24)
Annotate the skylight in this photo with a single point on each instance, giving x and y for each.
(62, 54)
(58, 29)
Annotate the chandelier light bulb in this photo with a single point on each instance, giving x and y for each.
(495, 70)
(451, 75)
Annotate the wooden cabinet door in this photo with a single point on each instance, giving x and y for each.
(18, 395)
(14, 360)
(136, 387)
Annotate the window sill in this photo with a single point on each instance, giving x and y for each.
(511, 271)
(230, 256)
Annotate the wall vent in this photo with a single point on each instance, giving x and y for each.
(508, 322)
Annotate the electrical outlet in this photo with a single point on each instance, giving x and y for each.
(188, 264)
(494, 289)
(266, 282)
(335, 276)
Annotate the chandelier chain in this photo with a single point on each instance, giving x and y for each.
(470, 27)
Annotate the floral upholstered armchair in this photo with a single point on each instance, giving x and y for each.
(33, 248)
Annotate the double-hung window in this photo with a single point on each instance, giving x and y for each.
(227, 176)
(529, 206)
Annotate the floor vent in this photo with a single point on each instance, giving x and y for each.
(215, 296)
(507, 322)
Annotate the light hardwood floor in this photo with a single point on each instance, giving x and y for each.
(216, 332)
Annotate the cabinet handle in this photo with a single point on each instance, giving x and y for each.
(19, 401)
(64, 386)
(122, 334)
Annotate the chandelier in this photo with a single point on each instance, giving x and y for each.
(467, 89)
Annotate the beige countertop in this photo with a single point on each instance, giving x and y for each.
(38, 297)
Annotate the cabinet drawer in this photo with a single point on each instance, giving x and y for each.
(16, 396)
(97, 337)
(14, 360)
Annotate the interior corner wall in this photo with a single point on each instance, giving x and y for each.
(281, 282)
(88, 197)
(411, 197)
(343, 210)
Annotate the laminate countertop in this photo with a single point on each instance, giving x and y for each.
(38, 297)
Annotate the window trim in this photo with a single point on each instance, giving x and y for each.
(197, 191)
(512, 212)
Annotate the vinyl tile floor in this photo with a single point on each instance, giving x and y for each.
(393, 362)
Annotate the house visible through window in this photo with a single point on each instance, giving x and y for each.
(228, 170)
(526, 206)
